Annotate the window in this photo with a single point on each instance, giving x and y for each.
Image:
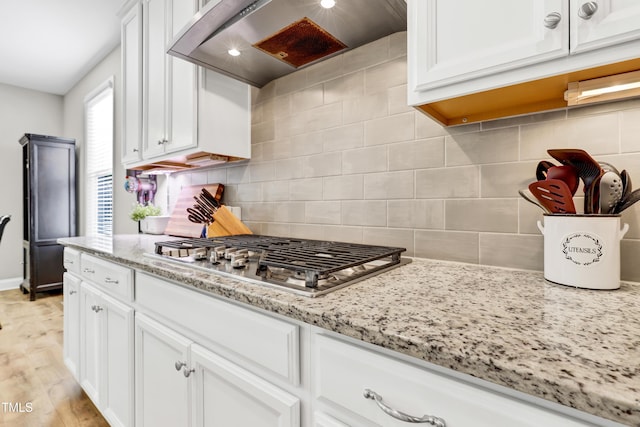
(98, 116)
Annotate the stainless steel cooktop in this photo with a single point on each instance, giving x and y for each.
(303, 266)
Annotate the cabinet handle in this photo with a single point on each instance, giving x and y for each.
(187, 372)
(587, 10)
(135, 150)
(96, 308)
(162, 141)
(88, 270)
(552, 20)
(394, 413)
(110, 280)
(72, 292)
(179, 365)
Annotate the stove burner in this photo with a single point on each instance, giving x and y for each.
(308, 266)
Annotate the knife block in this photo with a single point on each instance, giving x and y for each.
(226, 224)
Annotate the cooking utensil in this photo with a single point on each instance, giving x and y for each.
(588, 170)
(529, 197)
(626, 183)
(566, 173)
(543, 167)
(610, 191)
(554, 195)
(608, 167)
(629, 200)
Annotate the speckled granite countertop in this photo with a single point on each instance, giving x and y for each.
(577, 347)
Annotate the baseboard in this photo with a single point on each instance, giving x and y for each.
(13, 283)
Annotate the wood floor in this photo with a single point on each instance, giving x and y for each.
(36, 389)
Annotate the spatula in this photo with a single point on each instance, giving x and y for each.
(526, 194)
(554, 195)
(588, 170)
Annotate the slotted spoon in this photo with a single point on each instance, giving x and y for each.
(554, 195)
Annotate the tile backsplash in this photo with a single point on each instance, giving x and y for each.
(337, 154)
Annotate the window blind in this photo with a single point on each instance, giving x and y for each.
(99, 125)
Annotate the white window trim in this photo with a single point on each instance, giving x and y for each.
(90, 211)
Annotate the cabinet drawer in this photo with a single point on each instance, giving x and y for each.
(344, 371)
(270, 343)
(115, 279)
(71, 260)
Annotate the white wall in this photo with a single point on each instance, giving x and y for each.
(21, 111)
(74, 128)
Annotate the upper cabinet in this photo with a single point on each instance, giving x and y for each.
(175, 113)
(473, 61)
(131, 51)
(603, 23)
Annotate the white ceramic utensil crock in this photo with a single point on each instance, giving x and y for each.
(582, 250)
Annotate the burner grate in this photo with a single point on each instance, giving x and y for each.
(311, 260)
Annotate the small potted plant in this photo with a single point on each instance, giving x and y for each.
(149, 219)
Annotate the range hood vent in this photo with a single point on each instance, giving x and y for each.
(259, 41)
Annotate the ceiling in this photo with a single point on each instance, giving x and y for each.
(49, 45)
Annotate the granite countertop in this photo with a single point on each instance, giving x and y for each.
(576, 347)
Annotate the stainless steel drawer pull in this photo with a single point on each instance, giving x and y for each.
(179, 365)
(88, 270)
(110, 280)
(96, 308)
(429, 419)
(188, 372)
(72, 292)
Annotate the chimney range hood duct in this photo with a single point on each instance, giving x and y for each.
(277, 37)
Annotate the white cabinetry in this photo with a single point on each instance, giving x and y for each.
(71, 332)
(608, 23)
(71, 311)
(182, 378)
(170, 85)
(470, 47)
(106, 339)
(343, 371)
(457, 41)
(162, 391)
(131, 38)
(173, 109)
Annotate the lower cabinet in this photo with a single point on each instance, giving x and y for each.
(181, 383)
(358, 387)
(71, 331)
(106, 354)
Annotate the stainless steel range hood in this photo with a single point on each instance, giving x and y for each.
(277, 37)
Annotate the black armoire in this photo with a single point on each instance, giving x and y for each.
(49, 209)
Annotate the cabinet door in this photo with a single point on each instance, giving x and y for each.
(90, 333)
(607, 23)
(155, 67)
(181, 84)
(71, 332)
(117, 362)
(225, 395)
(162, 392)
(456, 41)
(131, 38)
(320, 419)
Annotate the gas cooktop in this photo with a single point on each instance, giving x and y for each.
(303, 266)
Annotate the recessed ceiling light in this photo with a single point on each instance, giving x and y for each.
(327, 4)
(233, 52)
